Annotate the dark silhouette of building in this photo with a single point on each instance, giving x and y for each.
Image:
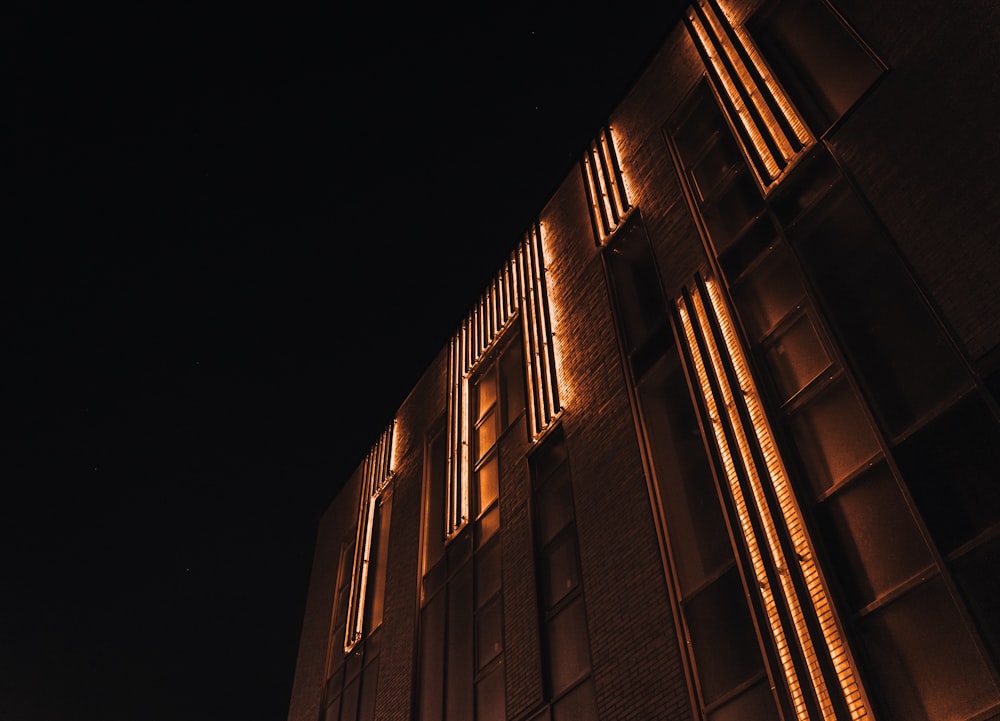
(721, 439)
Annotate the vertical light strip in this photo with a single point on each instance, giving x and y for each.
(773, 148)
(742, 512)
(773, 543)
(763, 153)
(543, 401)
(788, 112)
(376, 473)
(602, 179)
(790, 514)
(517, 289)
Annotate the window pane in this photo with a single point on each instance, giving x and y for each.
(721, 156)
(332, 712)
(379, 563)
(460, 660)
(432, 635)
(872, 536)
(832, 436)
(953, 469)
(486, 393)
(925, 662)
(369, 687)
(349, 701)
(486, 435)
(488, 525)
(569, 650)
(902, 356)
(636, 284)
(698, 536)
(796, 356)
(490, 702)
(976, 573)
(434, 509)
(730, 213)
(512, 382)
(818, 60)
(769, 293)
(560, 568)
(577, 705)
(488, 488)
(550, 459)
(755, 704)
(722, 636)
(694, 130)
(555, 508)
(489, 632)
(487, 573)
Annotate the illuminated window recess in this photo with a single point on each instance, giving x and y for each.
(518, 291)
(704, 313)
(376, 474)
(771, 132)
(605, 185)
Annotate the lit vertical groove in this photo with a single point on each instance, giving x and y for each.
(757, 98)
(791, 516)
(610, 179)
(376, 472)
(742, 511)
(518, 289)
(771, 530)
(604, 184)
(788, 112)
(764, 153)
(714, 32)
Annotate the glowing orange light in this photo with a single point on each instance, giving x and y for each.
(377, 473)
(746, 527)
(715, 41)
(604, 185)
(518, 291)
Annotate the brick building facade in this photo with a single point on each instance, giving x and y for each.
(721, 439)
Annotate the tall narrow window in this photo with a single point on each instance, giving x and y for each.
(461, 647)
(568, 686)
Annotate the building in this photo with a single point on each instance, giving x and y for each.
(721, 439)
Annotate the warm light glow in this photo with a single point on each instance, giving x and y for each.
(737, 79)
(377, 472)
(604, 185)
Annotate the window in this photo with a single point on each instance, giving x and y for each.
(460, 670)
(566, 647)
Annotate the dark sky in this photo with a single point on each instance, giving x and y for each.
(233, 239)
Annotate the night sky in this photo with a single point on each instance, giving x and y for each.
(233, 239)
